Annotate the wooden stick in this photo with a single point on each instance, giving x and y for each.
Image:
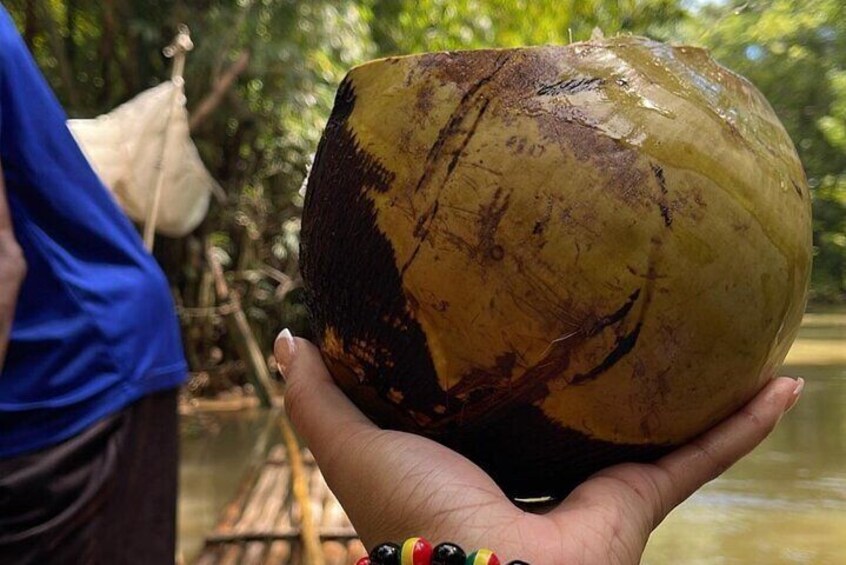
(231, 555)
(299, 487)
(281, 551)
(341, 534)
(180, 46)
(254, 553)
(242, 333)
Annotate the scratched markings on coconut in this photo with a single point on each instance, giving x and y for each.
(554, 259)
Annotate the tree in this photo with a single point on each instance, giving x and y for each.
(408, 26)
(261, 83)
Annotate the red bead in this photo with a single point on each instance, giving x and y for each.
(483, 557)
(363, 561)
(416, 551)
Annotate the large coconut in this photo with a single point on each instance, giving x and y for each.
(553, 259)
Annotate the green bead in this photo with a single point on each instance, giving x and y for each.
(482, 557)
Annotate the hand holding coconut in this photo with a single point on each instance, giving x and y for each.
(396, 485)
(551, 261)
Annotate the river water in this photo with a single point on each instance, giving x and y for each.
(783, 503)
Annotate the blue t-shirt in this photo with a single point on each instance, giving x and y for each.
(95, 327)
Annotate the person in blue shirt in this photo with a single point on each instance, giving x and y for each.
(90, 353)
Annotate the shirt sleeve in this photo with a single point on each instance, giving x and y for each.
(3, 51)
(8, 33)
(2, 87)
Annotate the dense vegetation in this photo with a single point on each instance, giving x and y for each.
(261, 82)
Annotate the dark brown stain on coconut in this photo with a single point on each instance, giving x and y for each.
(666, 213)
(550, 463)
(349, 269)
(571, 86)
(354, 291)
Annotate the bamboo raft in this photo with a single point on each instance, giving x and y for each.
(283, 513)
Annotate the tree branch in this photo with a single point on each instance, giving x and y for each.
(242, 334)
(107, 48)
(213, 99)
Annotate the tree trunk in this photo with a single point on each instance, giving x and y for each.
(31, 24)
(107, 48)
(57, 46)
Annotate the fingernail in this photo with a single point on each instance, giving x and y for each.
(797, 392)
(284, 349)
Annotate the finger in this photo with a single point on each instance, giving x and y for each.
(353, 454)
(319, 410)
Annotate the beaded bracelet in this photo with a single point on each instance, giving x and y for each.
(418, 551)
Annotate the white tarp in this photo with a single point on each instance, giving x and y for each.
(125, 148)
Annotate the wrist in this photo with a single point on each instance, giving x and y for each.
(419, 551)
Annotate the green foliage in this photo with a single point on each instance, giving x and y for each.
(407, 26)
(260, 138)
(257, 142)
(795, 52)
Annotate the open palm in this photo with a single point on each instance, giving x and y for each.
(396, 485)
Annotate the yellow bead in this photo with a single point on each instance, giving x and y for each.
(416, 551)
(483, 557)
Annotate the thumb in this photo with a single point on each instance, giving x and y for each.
(317, 408)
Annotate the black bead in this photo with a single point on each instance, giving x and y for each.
(448, 554)
(385, 554)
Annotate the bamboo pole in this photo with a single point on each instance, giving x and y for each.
(242, 334)
(281, 551)
(177, 50)
(299, 487)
